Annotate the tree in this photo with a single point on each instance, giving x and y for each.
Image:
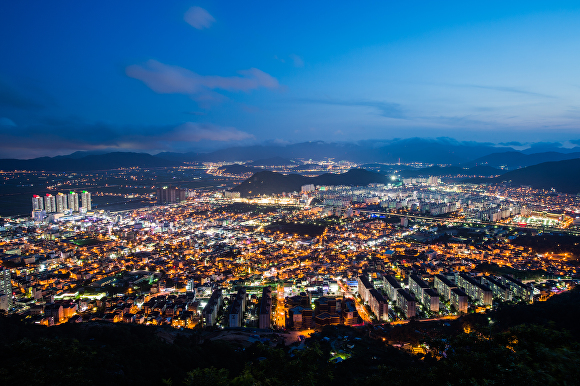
(207, 376)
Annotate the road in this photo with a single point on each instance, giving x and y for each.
(469, 222)
(280, 317)
(359, 307)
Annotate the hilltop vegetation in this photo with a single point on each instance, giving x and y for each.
(524, 345)
(564, 176)
(267, 182)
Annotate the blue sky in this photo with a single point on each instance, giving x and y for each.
(148, 76)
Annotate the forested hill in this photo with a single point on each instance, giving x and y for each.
(90, 162)
(267, 182)
(564, 176)
(526, 345)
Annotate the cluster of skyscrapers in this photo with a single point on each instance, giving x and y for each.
(170, 195)
(61, 203)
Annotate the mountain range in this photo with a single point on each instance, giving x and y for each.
(375, 154)
(515, 159)
(91, 162)
(439, 151)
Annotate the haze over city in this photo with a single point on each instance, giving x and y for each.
(145, 76)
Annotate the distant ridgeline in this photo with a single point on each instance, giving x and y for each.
(86, 163)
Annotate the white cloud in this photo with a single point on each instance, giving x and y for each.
(198, 18)
(195, 132)
(167, 79)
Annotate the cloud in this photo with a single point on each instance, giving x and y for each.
(7, 122)
(386, 109)
(512, 143)
(546, 145)
(198, 18)
(196, 132)
(514, 90)
(61, 136)
(167, 79)
(297, 60)
(460, 121)
(12, 98)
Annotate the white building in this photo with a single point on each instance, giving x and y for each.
(73, 201)
(61, 203)
(49, 203)
(86, 200)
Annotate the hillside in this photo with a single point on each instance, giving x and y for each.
(528, 345)
(483, 171)
(515, 159)
(87, 163)
(564, 176)
(267, 182)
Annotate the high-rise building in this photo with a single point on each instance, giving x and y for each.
(86, 200)
(5, 290)
(61, 203)
(170, 195)
(73, 201)
(37, 203)
(49, 203)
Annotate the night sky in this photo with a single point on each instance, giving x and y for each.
(194, 76)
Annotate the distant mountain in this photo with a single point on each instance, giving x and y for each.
(267, 182)
(83, 153)
(516, 159)
(107, 161)
(564, 176)
(438, 151)
(480, 171)
(549, 147)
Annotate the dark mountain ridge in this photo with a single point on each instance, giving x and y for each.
(267, 182)
(564, 176)
(482, 171)
(438, 151)
(516, 159)
(107, 161)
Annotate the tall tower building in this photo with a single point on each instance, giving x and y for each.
(61, 203)
(37, 203)
(73, 201)
(5, 290)
(49, 203)
(86, 200)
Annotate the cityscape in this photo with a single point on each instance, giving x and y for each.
(397, 202)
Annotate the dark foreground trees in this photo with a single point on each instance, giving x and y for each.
(520, 345)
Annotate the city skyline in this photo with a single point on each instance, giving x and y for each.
(196, 76)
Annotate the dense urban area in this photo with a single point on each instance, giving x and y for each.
(414, 248)
(280, 268)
